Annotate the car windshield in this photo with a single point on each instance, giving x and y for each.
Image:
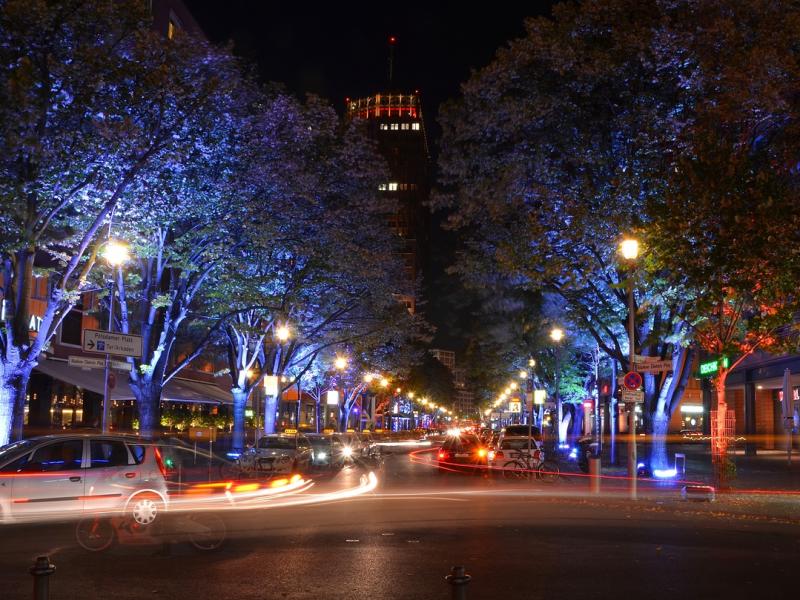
(16, 448)
(277, 443)
(319, 441)
(464, 442)
(522, 430)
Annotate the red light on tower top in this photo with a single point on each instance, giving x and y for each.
(392, 40)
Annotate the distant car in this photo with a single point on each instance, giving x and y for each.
(326, 450)
(278, 453)
(71, 475)
(463, 451)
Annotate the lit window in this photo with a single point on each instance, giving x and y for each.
(384, 127)
(171, 29)
(395, 126)
(404, 126)
(393, 187)
(415, 126)
(382, 187)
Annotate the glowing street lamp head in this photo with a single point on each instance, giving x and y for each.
(340, 363)
(532, 362)
(384, 382)
(523, 374)
(116, 253)
(629, 248)
(282, 333)
(513, 385)
(411, 395)
(557, 334)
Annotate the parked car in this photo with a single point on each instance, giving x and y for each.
(70, 475)
(509, 447)
(278, 453)
(463, 451)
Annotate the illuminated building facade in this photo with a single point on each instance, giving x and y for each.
(395, 121)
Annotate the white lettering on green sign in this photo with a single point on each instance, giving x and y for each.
(712, 366)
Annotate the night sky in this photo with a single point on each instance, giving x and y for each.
(339, 50)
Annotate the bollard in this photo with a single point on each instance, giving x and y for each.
(459, 580)
(594, 474)
(41, 571)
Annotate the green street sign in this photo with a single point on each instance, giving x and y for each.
(710, 367)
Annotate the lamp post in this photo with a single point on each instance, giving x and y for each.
(116, 254)
(629, 249)
(557, 334)
(340, 363)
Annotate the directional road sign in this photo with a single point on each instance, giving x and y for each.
(636, 396)
(86, 362)
(632, 380)
(653, 366)
(117, 344)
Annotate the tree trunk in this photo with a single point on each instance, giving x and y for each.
(658, 455)
(270, 406)
(718, 440)
(239, 403)
(14, 378)
(148, 404)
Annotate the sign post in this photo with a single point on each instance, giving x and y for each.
(108, 343)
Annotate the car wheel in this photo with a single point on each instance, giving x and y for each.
(145, 508)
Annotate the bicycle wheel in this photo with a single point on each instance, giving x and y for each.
(515, 469)
(548, 471)
(229, 470)
(208, 532)
(95, 534)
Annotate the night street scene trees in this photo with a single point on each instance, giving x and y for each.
(350, 301)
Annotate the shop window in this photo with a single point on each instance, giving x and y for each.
(71, 327)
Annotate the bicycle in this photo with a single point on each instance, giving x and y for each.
(203, 530)
(525, 463)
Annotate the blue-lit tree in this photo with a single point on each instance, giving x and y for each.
(94, 107)
(547, 162)
(315, 253)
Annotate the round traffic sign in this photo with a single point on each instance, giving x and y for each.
(632, 380)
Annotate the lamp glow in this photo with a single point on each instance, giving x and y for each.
(116, 253)
(282, 333)
(556, 334)
(629, 248)
(340, 363)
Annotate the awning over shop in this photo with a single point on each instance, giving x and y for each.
(176, 390)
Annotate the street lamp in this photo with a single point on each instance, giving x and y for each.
(531, 362)
(629, 249)
(340, 363)
(557, 334)
(116, 254)
(523, 374)
(282, 333)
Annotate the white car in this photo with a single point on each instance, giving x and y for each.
(278, 453)
(509, 447)
(68, 476)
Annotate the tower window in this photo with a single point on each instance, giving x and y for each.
(393, 186)
(404, 126)
(395, 126)
(415, 126)
(384, 127)
(382, 187)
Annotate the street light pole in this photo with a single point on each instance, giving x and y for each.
(629, 249)
(557, 334)
(632, 457)
(116, 254)
(106, 399)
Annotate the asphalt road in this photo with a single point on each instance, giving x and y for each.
(516, 540)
